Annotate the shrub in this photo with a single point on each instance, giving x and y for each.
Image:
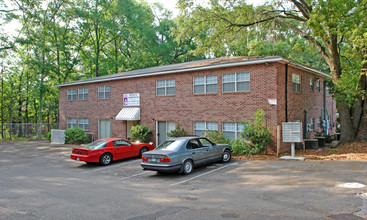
(241, 146)
(257, 133)
(328, 138)
(141, 133)
(49, 136)
(178, 132)
(75, 136)
(216, 137)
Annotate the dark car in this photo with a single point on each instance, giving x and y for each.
(185, 153)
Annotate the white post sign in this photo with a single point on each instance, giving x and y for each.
(292, 133)
(132, 99)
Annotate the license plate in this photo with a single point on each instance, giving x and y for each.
(77, 158)
(153, 160)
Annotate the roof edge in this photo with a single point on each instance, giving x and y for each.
(196, 68)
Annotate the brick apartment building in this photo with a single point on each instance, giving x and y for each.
(207, 94)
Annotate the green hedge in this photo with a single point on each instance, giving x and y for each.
(76, 136)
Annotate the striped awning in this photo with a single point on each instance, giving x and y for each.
(129, 114)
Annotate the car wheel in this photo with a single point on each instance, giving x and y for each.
(188, 166)
(105, 159)
(226, 157)
(143, 150)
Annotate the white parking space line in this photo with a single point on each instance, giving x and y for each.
(184, 181)
(111, 166)
(138, 174)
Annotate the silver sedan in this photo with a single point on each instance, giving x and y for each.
(185, 153)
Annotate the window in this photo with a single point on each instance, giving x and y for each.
(236, 82)
(327, 90)
(296, 83)
(84, 124)
(205, 84)
(232, 130)
(71, 123)
(319, 122)
(166, 87)
(205, 143)
(83, 93)
(317, 82)
(192, 144)
(104, 92)
(121, 143)
(201, 126)
(71, 94)
(311, 85)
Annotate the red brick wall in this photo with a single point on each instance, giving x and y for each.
(267, 82)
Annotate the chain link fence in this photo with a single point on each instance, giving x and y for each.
(13, 131)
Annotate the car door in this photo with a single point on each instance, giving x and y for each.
(212, 153)
(123, 149)
(198, 154)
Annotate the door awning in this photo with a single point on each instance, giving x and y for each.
(129, 114)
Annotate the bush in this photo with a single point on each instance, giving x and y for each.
(49, 136)
(257, 133)
(76, 136)
(328, 138)
(141, 133)
(178, 132)
(241, 146)
(216, 137)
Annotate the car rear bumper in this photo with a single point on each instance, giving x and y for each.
(161, 167)
(85, 158)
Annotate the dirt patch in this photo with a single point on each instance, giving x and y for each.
(349, 151)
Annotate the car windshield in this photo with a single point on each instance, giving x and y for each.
(170, 145)
(96, 145)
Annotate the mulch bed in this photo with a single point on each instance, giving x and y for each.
(348, 151)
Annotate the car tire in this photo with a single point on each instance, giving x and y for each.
(143, 150)
(188, 166)
(226, 156)
(105, 159)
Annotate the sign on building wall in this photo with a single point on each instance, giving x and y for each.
(132, 99)
(292, 132)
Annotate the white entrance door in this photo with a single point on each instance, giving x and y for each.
(164, 127)
(104, 130)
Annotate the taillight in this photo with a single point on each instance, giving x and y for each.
(84, 152)
(165, 160)
(144, 158)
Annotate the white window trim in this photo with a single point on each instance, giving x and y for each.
(298, 83)
(104, 92)
(70, 121)
(83, 93)
(237, 136)
(235, 82)
(71, 93)
(83, 124)
(206, 125)
(165, 87)
(205, 85)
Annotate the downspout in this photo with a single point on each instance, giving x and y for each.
(286, 92)
(325, 110)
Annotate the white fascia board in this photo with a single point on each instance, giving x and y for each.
(197, 68)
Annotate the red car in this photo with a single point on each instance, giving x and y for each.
(107, 150)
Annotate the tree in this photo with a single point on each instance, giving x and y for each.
(328, 25)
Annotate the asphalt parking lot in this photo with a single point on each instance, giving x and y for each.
(39, 181)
